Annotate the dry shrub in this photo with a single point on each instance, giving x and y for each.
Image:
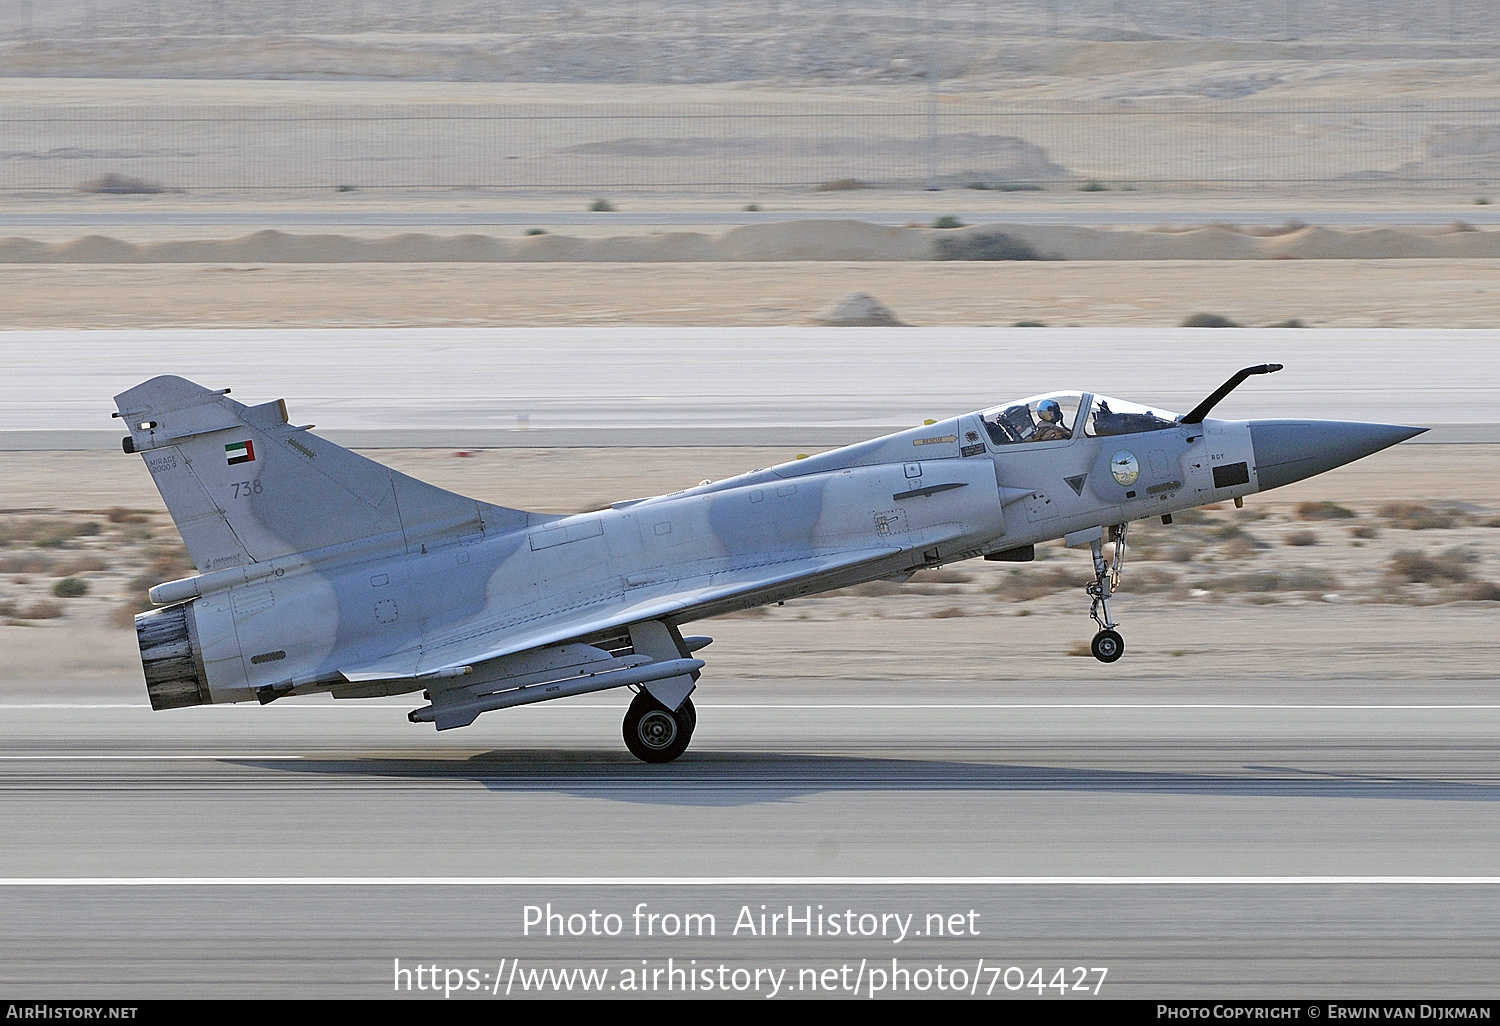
(873, 589)
(1080, 648)
(1243, 546)
(124, 614)
(169, 556)
(948, 613)
(942, 577)
(986, 244)
(1303, 579)
(1208, 320)
(44, 533)
(59, 537)
(81, 564)
(71, 587)
(1417, 516)
(1364, 531)
(1148, 581)
(1024, 585)
(844, 185)
(1227, 531)
(1324, 511)
(1481, 591)
(113, 184)
(1181, 554)
(122, 515)
(18, 529)
(1490, 522)
(1191, 516)
(41, 609)
(1420, 568)
(1302, 539)
(25, 563)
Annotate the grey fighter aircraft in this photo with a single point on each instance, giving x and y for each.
(321, 570)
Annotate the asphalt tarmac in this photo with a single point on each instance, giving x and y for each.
(1245, 839)
(473, 388)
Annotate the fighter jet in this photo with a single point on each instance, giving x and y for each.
(323, 571)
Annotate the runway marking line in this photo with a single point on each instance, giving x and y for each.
(903, 706)
(146, 758)
(744, 881)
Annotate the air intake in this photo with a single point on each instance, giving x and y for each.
(174, 677)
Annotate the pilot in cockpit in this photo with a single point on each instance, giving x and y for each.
(1050, 426)
(1039, 419)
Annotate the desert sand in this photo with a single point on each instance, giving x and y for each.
(845, 240)
(1377, 293)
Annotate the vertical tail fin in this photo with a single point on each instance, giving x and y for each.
(244, 486)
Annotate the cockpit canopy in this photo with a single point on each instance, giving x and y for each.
(1054, 417)
(1117, 417)
(1042, 418)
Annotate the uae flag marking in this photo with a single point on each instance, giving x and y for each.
(239, 452)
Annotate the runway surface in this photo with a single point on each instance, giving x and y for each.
(1255, 838)
(732, 386)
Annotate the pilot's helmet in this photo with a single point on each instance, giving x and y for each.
(1049, 412)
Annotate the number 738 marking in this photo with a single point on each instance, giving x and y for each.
(245, 489)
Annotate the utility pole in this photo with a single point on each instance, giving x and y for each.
(932, 98)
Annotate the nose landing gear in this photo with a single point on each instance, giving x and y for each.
(1107, 645)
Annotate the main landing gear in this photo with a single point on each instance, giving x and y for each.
(654, 733)
(1107, 645)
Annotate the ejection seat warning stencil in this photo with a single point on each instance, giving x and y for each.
(239, 452)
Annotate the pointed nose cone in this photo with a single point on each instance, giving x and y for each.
(1290, 450)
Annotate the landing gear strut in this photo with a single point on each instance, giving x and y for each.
(1107, 645)
(654, 733)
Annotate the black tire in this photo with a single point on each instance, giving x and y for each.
(654, 733)
(1107, 646)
